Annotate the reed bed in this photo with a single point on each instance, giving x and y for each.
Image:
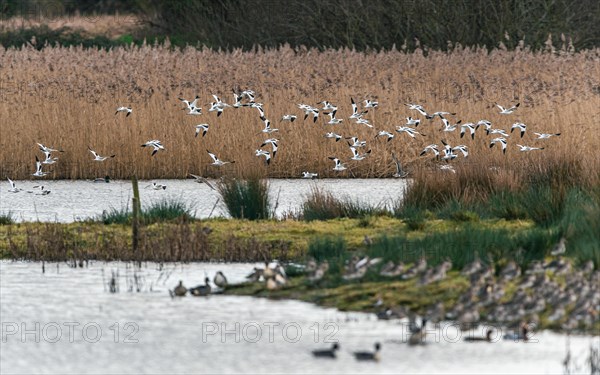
(66, 98)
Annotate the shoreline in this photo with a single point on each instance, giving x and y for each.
(557, 293)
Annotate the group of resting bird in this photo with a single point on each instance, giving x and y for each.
(201, 290)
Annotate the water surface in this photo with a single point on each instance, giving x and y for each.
(76, 200)
(85, 329)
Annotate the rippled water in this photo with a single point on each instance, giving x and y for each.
(81, 327)
(75, 200)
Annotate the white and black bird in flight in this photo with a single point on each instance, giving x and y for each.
(218, 162)
(124, 109)
(519, 125)
(38, 168)
(13, 186)
(155, 144)
(201, 128)
(98, 157)
(502, 142)
(507, 111)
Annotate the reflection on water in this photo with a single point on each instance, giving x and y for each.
(76, 200)
(66, 321)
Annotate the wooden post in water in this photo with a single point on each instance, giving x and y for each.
(136, 205)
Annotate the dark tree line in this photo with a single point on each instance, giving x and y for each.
(359, 24)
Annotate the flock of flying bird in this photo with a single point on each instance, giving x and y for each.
(246, 99)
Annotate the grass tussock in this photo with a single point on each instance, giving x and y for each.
(160, 211)
(6, 218)
(79, 110)
(246, 199)
(323, 205)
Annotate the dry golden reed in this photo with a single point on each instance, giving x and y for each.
(66, 98)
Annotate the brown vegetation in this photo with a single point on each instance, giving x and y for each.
(66, 98)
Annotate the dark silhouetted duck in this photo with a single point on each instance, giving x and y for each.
(327, 353)
(201, 290)
(106, 179)
(487, 338)
(369, 356)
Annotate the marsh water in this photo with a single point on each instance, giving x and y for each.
(70, 201)
(65, 320)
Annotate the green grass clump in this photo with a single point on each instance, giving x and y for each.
(6, 218)
(167, 210)
(115, 216)
(327, 248)
(245, 199)
(322, 205)
(161, 211)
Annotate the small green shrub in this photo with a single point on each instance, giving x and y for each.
(6, 218)
(245, 199)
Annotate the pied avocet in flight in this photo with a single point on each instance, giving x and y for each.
(124, 109)
(356, 142)
(355, 113)
(384, 133)
(433, 148)
(201, 128)
(13, 187)
(500, 140)
(327, 106)
(507, 111)
(333, 135)
(49, 159)
(408, 130)
(190, 105)
(289, 118)
(497, 131)
(268, 129)
(364, 121)
(155, 144)
(464, 127)
(528, 148)
(519, 125)
(218, 162)
(357, 156)
(417, 107)
(449, 127)
(333, 120)
(47, 149)
(371, 103)
(339, 166)
(264, 153)
(412, 121)
(487, 124)
(273, 142)
(439, 113)
(546, 135)
(98, 157)
(196, 111)
(38, 168)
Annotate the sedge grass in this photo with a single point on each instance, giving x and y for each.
(245, 199)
